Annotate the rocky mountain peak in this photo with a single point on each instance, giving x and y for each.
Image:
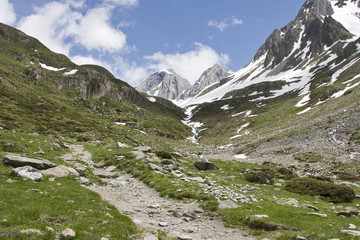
(211, 76)
(165, 83)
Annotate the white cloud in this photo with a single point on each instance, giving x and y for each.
(7, 12)
(124, 3)
(189, 65)
(95, 32)
(61, 25)
(222, 25)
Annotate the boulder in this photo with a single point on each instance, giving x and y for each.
(144, 149)
(28, 172)
(205, 165)
(67, 234)
(60, 171)
(15, 160)
(80, 168)
(137, 154)
(228, 204)
(351, 233)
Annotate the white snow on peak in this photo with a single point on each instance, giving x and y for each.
(348, 16)
(165, 71)
(51, 68)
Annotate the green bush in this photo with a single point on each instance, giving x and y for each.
(328, 191)
(286, 173)
(262, 177)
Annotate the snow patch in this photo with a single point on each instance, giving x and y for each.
(304, 111)
(193, 125)
(341, 93)
(348, 16)
(71, 72)
(51, 68)
(165, 71)
(226, 107)
(303, 101)
(240, 156)
(242, 127)
(151, 99)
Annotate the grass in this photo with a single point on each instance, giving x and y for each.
(60, 204)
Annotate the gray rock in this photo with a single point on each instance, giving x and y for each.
(28, 172)
(80, 168)
(197, 179)
(184, 237)
(261, 216)
(189, 229)
(111, 168)
(105, 174)
(84, 181)
(300, 238)
(352, 226)
(205, 165)
(68, 234)
(137, 154)
(31, 231)
(151, 237)
(144, 149)
(228, 204)
(351, 233)
(318, 214)
(163, 224)
(15, 160)
(155, 167)
(60, 171)
(310, 207)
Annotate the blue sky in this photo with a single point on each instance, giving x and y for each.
(134, 38)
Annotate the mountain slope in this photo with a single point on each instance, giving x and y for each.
(209, 80)
(165, 83)
(299, 52)
(46, 93)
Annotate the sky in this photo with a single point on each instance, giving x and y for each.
(135, 38)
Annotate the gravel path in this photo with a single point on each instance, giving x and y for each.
(152, 212)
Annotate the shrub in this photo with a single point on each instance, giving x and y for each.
(286, 173)
(309, 157)
(328, 191)
(164, 155)
(262, 177)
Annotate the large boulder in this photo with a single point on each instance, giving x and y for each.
(15, 160)
(28, 172)
(205, 165)
(60, 171)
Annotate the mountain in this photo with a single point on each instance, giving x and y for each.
(164, 83)
(209, 80)
(46, 93)
(307, 54)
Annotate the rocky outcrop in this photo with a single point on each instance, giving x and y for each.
(205, 165)
(15, 160)
(28, 172)
(165, 83)
(60, 171)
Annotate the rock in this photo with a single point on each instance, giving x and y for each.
(31, 231)
(189, 229)
(228, 204)
(80, 168)
(318, 214)
(105, 174)
(300, 238)
(357, 196)
(184, 237)
(155, 167)
(111, 168)
(60, 171)
(84, 181)
(137, 154)
(163, 224)
(349, 184)
(197, 179)
(151, 237)
(122, 145)
(15, 160)
(352, 226)
(288, 202)
(49, 229)
(351, 233)
(190, 215)
(177, 174)
(310, 207)
(104, 238)
(28, 172)
(144, 149)
(348, 212)
(68, 234)
(205, 165)
(261, 216)
(10, 181)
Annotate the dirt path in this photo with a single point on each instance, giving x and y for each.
(152, 212)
